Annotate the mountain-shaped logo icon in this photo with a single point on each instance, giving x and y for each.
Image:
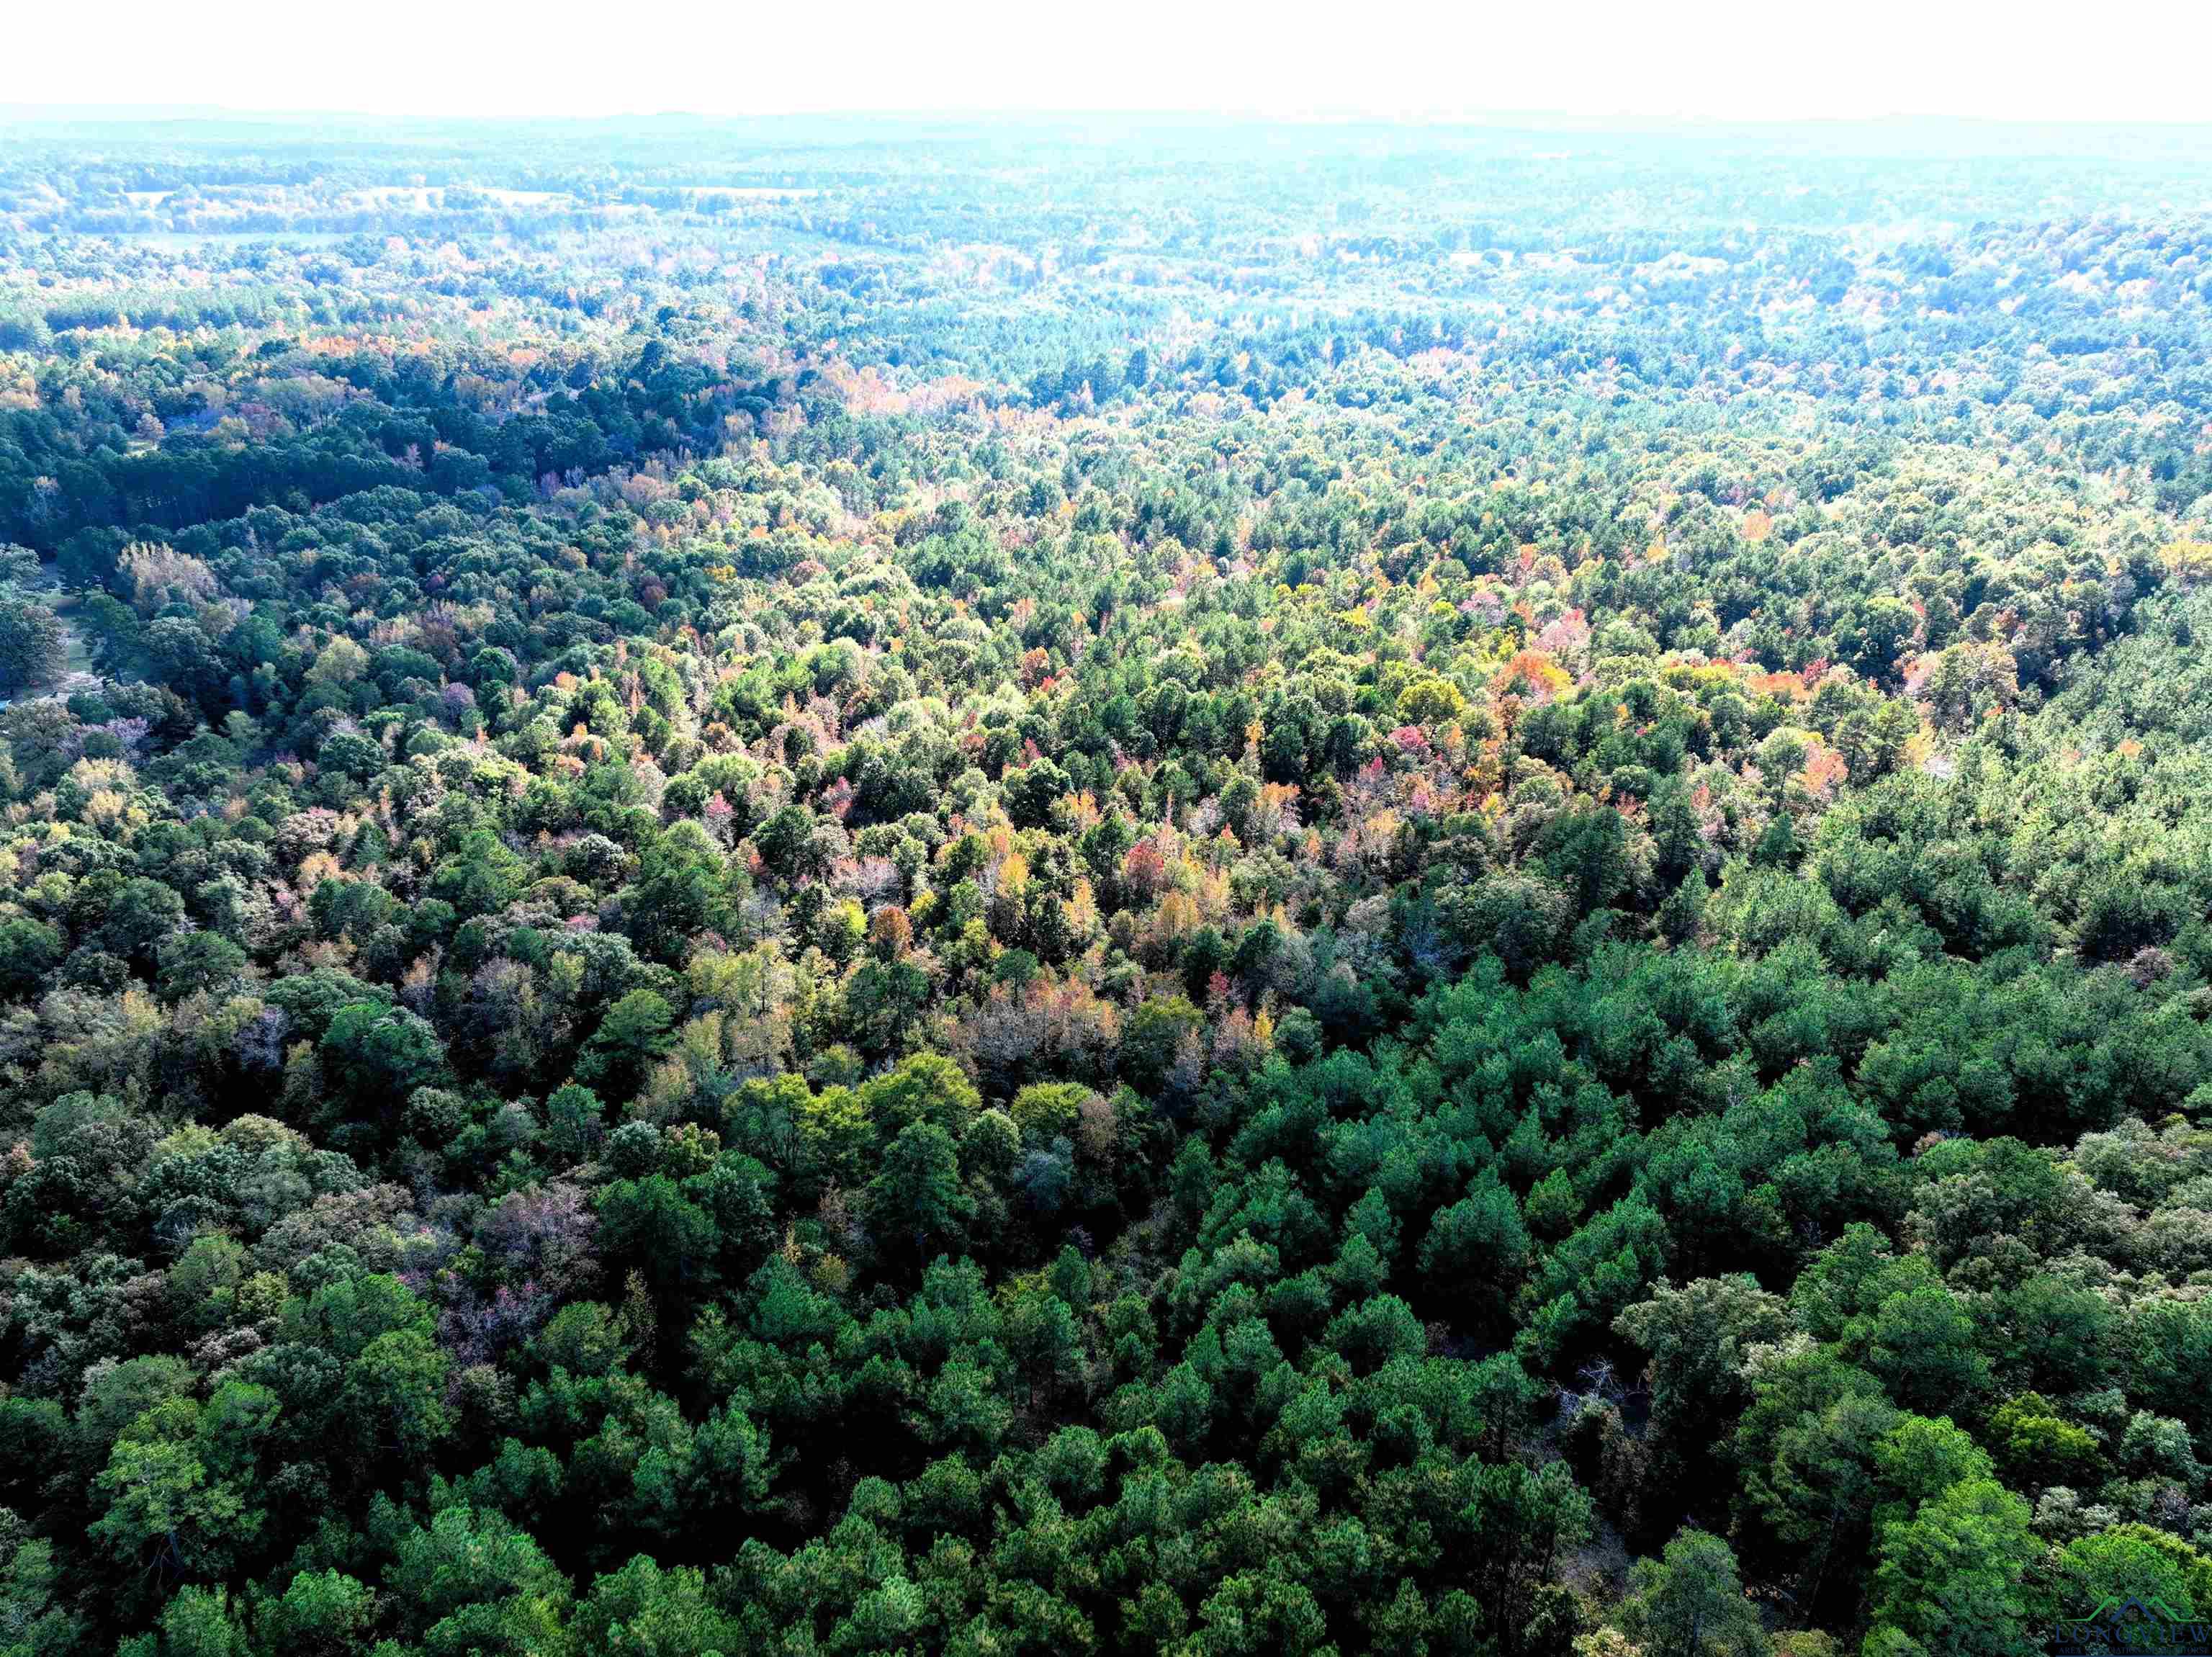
(2142, 1625)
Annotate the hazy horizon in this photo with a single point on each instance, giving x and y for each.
(1499, 120)
(1725, 61)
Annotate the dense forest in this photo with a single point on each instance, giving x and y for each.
(842, 889)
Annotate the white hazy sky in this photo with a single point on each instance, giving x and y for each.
(1710, 59)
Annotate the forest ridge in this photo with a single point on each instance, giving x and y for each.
(850, 887)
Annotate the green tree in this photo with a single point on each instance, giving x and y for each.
(1690, 1602)
(164, 1513)
(1700, 1337)
(2126, 1561)
(684, 888)
(645, 1610)
(374, 1056)
(190, 962)
(633, 1035)
(1477, 1250)
(31, 644)
(651, 1223)
(917, 1202)
(472, 1584)
(320, 1614)
(1947, 1579)
(395, 1396)
(1923, 1345)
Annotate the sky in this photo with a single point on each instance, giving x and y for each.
(1586, 60)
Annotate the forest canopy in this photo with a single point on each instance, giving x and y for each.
(834, 889)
